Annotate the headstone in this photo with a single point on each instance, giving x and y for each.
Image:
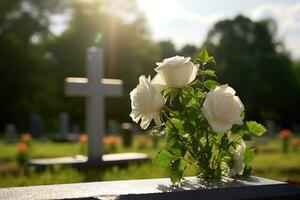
(296, 128)
(94, 88)
(10, 133)
(75, 128)
(126, 130)
(64, 124)
(64, 129)
(36, 126)
(271, 127)
(113, 126)
(252, 188)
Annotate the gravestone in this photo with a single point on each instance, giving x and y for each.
(94, 88)
(75, 128)
(252, 188)
(64, 130)
(36, 126)
(64, 121)
(10, 133)
(113, 126)
(271, 127)
(126, 130)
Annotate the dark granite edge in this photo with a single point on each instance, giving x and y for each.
(268, 192)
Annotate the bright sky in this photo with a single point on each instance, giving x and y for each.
(188, 21)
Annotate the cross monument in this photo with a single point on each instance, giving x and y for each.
(94, 88)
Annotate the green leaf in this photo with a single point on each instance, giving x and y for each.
(200, 94)
(176, 175)
(224, 143)
(210, 84)
(171, 140)
(173, 95)
(177, 123)
(177, 150)
(247, 171)
(195, 82)
(256, 128)
(210, 72)
(247, 137)
(167, 91)
(188, 127)
(163, 158)
(210, 59)
(203, 54)
(188, 90)
(195, 145)
(236, 128)
(203, 57)
(249, 155)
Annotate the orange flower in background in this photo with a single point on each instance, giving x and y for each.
(143, 139)
(26, 137)
(22, 147)
(83, 138)
(295, 142)
(285, 133)
(113, 139)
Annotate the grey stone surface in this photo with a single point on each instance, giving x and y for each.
(192, 188)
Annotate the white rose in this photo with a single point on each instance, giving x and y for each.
(177, 71)
(146, 102)
(222, 108)
(239, 164)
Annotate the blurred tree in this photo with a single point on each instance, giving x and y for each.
(24, 89)
(128, 50)
(188, 50)
(251, 59)
(167, 49)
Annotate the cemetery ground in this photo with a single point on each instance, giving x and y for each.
(270, 162)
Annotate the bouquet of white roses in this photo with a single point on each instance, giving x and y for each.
(201, 120)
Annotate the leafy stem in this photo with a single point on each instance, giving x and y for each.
(203, 75)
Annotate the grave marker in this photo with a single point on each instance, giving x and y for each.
(64, 120)
(36, 126)
(94, 88)
(10, 133)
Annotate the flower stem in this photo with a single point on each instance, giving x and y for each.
(207, 140)
(237, 139)
(203, 76)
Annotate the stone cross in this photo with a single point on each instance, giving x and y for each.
(94, 88)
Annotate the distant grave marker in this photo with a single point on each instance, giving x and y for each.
(64, 121)
(10, 134)
(75, 129)
(272, 129)
(113, 126)
(36, 126)
(126, 129)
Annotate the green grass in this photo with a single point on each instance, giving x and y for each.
(272, 164)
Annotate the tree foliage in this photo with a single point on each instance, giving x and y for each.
(254, 62)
